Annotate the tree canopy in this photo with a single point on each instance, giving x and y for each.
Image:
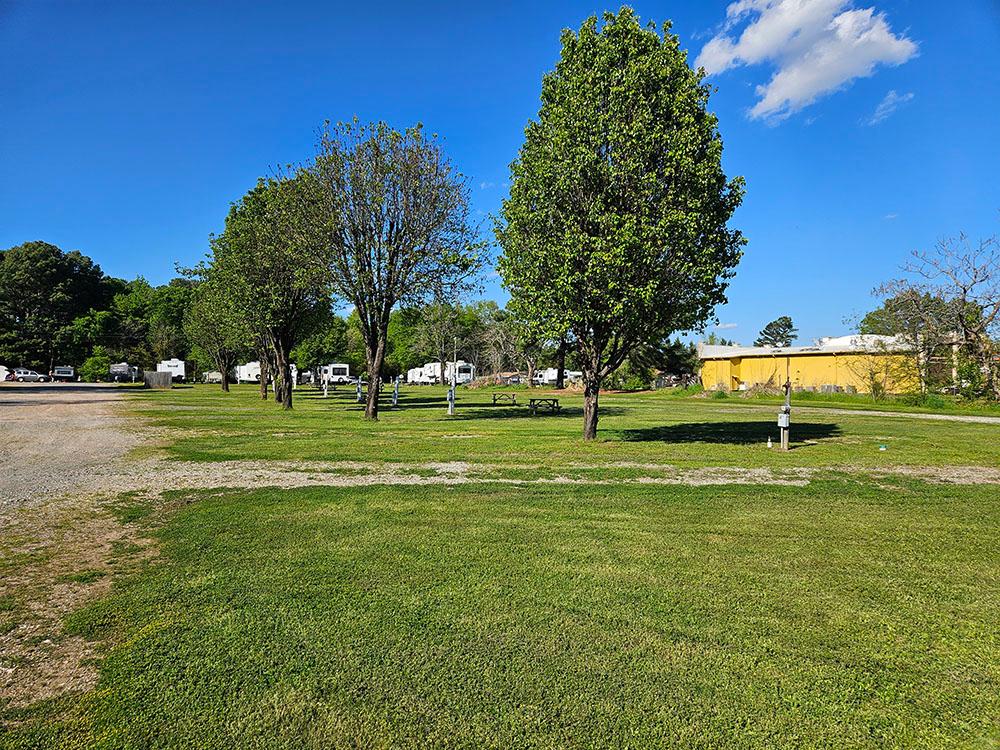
(396, 215)
(616, 228)
(779, 332)
(270, 263)
(42, 291)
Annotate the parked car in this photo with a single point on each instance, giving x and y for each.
(23, 375)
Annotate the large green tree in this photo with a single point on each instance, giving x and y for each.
(214, 326)
(398, 230)
(616, 228)
(270, 263)
(42, 290)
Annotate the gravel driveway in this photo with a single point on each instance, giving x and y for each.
(55, 437)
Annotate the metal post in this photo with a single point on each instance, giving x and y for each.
(395, 392)
(454, 380)
(360, 397)
(784, 416)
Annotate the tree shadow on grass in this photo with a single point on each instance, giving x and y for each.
(522, 412)
(733, 433)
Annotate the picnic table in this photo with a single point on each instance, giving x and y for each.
(551, 404)
(499, 398)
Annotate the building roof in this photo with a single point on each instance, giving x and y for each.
(855, 344)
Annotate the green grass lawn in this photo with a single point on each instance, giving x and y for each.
(851, 612)
(205, 424)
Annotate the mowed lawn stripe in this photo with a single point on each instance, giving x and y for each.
(836, 615)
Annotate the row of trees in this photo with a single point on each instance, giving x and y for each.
(614, 236)
(60, 308)
(615, 233)
(111, 320)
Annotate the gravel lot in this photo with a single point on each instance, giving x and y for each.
(55, 438)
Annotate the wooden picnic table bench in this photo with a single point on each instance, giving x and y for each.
(499, 398)
(552, 404)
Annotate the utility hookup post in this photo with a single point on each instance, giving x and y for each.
(454, 380)
(395, 392)
(361, 398)
(326, 383)
(784, 416)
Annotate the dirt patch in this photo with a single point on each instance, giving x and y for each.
(55, 558)
(943, 474)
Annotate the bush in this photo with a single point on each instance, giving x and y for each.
(720, 394)
(95, 367)
(928, 400)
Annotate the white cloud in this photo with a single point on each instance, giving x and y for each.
(487, 185)
(890, 217)
(726, 326)
(816, 46)
(889, 104)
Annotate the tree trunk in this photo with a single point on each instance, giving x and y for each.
(531, 373)
(264, 375)
(283, 375)
(561, 366)
(376, 358)
(592, 389)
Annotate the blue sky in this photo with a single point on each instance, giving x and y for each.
(864, 129)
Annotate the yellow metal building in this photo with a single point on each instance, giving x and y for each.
(845, 363)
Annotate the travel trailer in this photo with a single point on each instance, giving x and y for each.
(63, 373)
(549, 375)
(430, 373)
(123, 372)
(250, 373)
(174, 366)
(336, 373)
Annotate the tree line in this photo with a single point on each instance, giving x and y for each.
(615, 234)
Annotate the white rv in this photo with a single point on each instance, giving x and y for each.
(248, 373)
(174, 366)
(549, 375)
(336, 373)
(430, 373)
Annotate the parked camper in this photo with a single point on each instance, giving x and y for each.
(64, 373)
(213, 376)
(550, 375)
(248, 373)
(174, 366)
(6, 374)
(336, 373)
(430, 373)
(123, 372)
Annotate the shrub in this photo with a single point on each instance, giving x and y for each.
(928, 400)
(720, 394)
(95, 367)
